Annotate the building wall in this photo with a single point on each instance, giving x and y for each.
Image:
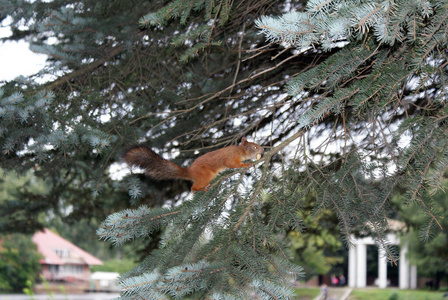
(68, 273)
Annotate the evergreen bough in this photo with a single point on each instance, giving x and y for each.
(365, 117)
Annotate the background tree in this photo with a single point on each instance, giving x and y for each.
(430, 255)
(12, 189)
(317, 247)
(19, 262)
(365, 114)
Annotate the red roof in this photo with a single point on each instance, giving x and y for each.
(48, 244)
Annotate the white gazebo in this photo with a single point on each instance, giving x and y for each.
(357, 263)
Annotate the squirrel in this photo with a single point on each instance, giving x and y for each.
(202, 170)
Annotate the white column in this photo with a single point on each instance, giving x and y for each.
(382, 268)
(352, 266)
(403, 268)
(413, 280)
(361, 265)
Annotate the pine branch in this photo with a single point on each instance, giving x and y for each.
(85, 69)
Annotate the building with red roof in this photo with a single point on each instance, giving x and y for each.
(63, 261)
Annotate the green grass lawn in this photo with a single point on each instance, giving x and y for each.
(394, 294)
(307, 293)
(376, 294)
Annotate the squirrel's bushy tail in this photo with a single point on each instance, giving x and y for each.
(154, 165)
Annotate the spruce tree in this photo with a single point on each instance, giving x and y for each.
(348, 96)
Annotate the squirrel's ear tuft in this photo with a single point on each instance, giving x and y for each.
(244, 141)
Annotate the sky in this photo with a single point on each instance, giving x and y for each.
(16, 59)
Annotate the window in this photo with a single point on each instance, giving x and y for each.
(62, 253)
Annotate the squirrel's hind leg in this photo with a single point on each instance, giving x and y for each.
(197, 189)
(202, 180)
(200, 186)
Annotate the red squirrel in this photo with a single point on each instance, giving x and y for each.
(201, 171)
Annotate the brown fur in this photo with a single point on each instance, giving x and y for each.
(154, 165)
(201, 171)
